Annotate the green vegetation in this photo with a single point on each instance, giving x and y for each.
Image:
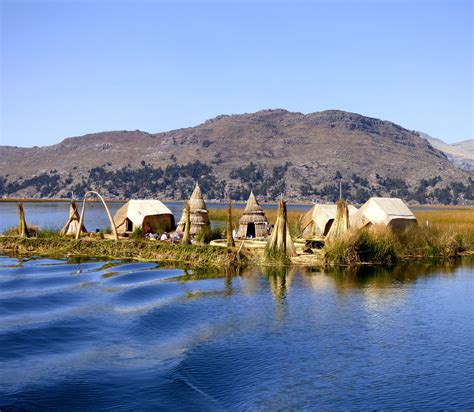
(177, 181)
(190, 255)
(379, 245)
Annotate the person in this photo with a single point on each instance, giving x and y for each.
(164, 236)
(148, 229)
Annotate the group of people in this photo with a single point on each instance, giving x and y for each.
(165, 236)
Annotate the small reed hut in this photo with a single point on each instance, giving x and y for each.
(388, 211)
(199, 215)
(253, 223)
(318, 220)
(70, 228)
(138, 213)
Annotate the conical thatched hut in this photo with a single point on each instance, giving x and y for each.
(138, 213)
(319, 219)
(253, 223)
(70, 228)
(199, 214)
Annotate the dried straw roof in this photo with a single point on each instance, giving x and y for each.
(253, 212)
(199, 214)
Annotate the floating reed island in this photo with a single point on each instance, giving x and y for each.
(382, 231)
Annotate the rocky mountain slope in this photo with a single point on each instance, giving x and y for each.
(461, 153)
(270, 151)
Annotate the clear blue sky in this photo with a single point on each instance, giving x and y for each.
(75, 67)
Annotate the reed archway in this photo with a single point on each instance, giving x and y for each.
(81, 219)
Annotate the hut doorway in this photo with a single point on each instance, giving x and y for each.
(129, 226)
(328, 226)
(251, 230)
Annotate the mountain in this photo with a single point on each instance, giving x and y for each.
(270, 151)
(461, 154)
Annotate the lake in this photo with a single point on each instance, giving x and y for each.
(53, 215)
(136, 336)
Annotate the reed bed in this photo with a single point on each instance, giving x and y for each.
(189, 255)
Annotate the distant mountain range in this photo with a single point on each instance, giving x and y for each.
(461, 153)
(273, 152)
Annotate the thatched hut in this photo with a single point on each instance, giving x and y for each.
(72, 224)
(199, 215)
(388, 211)
(319, 219)
(138, 213)
(253, 223)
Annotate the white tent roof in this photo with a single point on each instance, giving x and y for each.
(137, 210)
(382, 210)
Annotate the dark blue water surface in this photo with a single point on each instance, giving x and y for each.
(134, 336)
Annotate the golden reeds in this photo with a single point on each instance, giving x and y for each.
(187, 223)
(341, 221)
(230, 238)
(280, 243)
(22, 227)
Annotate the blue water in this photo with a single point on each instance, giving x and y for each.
(134, 336)
(53, 215)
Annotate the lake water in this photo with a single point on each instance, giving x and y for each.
(53, 215)
(135, 336)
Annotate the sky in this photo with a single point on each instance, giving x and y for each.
(74, 67)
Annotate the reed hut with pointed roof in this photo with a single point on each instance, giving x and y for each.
(253, 223)
(199, 215)
(136, 213)
(318, 220)
(70, 228)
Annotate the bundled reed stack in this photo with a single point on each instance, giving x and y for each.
(199, 215)
(187, 223)
(72, 224)
(341, 221)
(229, 229)
(279, 244)
(22, 228)
(253, 222)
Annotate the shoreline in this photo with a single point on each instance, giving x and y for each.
(222, 202)
(196, 256)
(199, 256)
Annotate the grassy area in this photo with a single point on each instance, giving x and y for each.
(379, 245)
(189, 255)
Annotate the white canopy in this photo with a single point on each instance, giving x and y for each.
(388, 211)
(137, 210)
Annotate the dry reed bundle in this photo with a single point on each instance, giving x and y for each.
(280, 244)
(187, 223)
(341, 221)
(22, 228)
(72, 224)
(230, 238)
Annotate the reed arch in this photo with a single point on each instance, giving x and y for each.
(81, 219)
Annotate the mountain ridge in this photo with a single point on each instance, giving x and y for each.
(272, 151)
